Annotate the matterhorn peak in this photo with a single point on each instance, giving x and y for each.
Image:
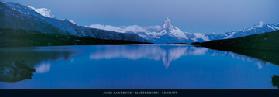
(167, 24)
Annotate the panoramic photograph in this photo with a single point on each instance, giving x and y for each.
(139, 44)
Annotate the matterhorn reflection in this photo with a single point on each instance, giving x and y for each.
(164, 53)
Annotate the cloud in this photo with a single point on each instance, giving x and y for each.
(43, 11)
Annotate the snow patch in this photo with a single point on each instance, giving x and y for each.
(43, 11)
(261, 24)
(72, 21)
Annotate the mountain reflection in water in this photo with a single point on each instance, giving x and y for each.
(166, 54)
(132, 67)
(20, 64)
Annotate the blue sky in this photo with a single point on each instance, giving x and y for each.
(189, 15)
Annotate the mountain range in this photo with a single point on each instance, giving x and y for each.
(168, 33)
(14, 17)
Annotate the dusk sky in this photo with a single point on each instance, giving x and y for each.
(189, 15)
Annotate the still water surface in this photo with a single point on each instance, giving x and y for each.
(132, 67)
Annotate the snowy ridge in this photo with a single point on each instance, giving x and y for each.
(161, 34)
(123, 29)
(168, 33)
(256, 29)
(41, 20)
(43, 11)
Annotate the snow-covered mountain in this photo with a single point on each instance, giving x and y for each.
(256, 29)
(168, 33)
(17, 16)
(43, 11)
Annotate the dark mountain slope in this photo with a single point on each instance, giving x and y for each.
(22, 26)
(261, 46)
(23, 38)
